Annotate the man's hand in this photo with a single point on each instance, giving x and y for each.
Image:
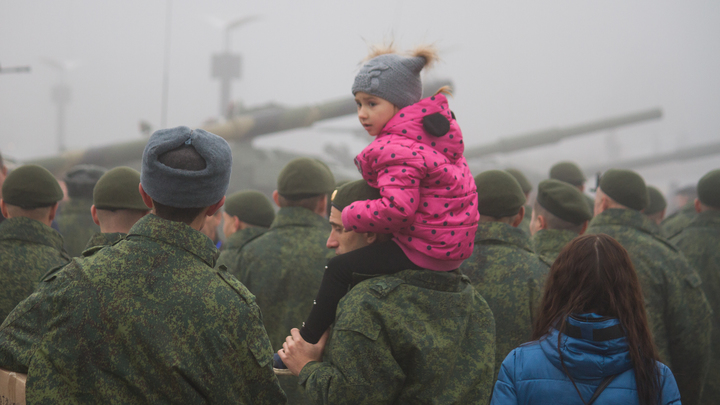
(296, 352)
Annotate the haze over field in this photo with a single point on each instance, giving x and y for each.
(516, 66)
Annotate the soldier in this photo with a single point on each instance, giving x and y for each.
(148, 320)
(417, 336)
(678, 312)
(570, 173)
(559, 215)
(3, 175)
(526, 188)
(655, 209)
(699, 242)
(74, 220)
(29, 247)
(117, 206)
(503, 266)
(248, 214)
(284, 267)
(675, 222)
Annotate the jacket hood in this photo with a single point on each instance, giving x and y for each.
(585, 358)
(408, 122)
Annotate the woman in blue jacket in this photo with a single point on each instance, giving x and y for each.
(591, 342)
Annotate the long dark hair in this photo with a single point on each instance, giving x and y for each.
(593, 273)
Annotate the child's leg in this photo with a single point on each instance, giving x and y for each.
(375, 259)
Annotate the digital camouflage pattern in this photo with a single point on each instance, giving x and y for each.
(230, 254)
(678, 312)
(525, 224)
(549, 242)
(284, 268)
(699, 241)
(100, 240)
(76, 225)
(674, 223)
(28, 249)
(417, 336)
(147, 320)
(509, 276)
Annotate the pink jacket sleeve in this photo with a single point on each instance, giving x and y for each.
(399, 173)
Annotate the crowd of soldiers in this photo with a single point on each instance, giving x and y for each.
(120, 293)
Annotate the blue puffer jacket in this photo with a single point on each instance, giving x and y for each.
(532, 373)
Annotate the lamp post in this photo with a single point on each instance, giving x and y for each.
(226, 65)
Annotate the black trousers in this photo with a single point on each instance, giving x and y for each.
(376, 259)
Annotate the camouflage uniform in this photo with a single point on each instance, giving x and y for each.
(506, 272)
(678, 312)
(417, 336)
(100, 240)
(549, 242)
(28, 249)
(675, 223)
(145, 321)
(233, 245)
(284, 268)
(76, 225)
(699, 242)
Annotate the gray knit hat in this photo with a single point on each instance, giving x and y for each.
(186, 188)
(392, 77)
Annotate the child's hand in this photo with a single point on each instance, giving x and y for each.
(296, 352)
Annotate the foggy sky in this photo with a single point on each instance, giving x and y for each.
(516, 66)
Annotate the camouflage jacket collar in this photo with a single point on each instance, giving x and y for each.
(551, 241)
(30, 230)
(707, 219)
(100, 240)
(625, 217)
(242, 237)
(497, 233)
(177, 234)
(76, 206)
(297, 216)
(452, 281)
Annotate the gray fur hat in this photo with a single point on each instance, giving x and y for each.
(186, 188)
(393, 77)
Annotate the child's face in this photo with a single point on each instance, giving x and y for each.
(374, 112)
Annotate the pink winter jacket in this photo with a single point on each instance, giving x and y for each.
(429, 199)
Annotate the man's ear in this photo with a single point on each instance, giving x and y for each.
(698, 206)
(3, 208)
(519, 217)
(370, 237)
(541, 220)
(584, 227)
(53, 211)
(93, 212)
(215, 207)
(276, 198)
(146, 198)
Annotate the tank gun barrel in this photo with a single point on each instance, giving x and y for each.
(554, 135)
(692, 153)
(241, 128)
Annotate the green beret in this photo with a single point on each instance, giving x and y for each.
(357, 190)
(564, 201)
(118, 190)
(81, 179)
(625, 187)
(568, 172)
(708, 189)
(499, 194)
(305, 178)
(520, 177)
(656, 201)
(31, 186)
(250, 206)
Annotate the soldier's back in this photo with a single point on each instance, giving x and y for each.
(28, 249)
(506, 272)
(149, 321)
(76, 225)
(699, 243)
(677, 221)
(230, 255)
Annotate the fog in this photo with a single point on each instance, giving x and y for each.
(516, 67)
